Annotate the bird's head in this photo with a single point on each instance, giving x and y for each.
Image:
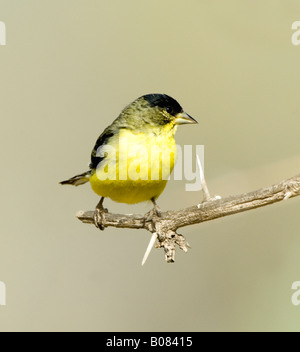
(158, 111)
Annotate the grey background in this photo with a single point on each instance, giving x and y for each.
(68, 69)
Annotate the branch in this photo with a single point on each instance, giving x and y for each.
(169, 222)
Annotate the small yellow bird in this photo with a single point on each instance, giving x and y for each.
(134, 156)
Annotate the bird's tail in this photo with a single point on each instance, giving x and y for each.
(78, 179)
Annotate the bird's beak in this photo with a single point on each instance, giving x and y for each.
(183, 118)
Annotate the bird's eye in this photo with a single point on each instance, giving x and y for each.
(169, 110)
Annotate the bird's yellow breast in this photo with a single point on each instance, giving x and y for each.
(136, 166)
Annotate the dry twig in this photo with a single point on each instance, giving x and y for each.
(167, 225)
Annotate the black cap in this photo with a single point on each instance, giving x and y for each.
(164, 101)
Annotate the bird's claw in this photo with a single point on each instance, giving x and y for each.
(99, 215)
(155, 212)
(99, 218)
(153, 215)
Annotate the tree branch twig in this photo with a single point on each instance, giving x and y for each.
(166, 226)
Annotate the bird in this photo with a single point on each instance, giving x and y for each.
(134, 156)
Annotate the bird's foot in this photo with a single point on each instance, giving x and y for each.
(153, 215)
(99, 216)
(99, 219)
(155, 212)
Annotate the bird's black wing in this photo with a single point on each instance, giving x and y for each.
(102, 140)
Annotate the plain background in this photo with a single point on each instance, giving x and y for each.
(68, 69)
